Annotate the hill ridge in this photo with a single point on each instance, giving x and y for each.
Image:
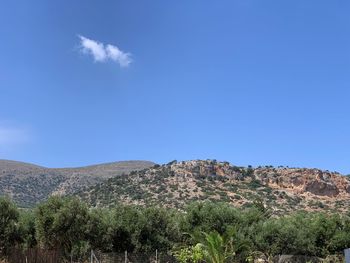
(177, 183)
(28, 184)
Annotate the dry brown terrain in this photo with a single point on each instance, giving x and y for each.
(179, 183)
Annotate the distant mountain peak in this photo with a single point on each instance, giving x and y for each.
(29, 184)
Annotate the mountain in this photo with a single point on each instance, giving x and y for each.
(29, 184)
(176, 184)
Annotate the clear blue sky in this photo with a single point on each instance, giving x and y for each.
(250, 82)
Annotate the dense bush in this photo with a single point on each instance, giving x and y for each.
(68, 224)
(9, 230)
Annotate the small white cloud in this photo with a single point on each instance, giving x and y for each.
(102, 53)
(118, 56)
(96, 49)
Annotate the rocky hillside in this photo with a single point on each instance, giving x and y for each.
(29, 184)
(178, 183)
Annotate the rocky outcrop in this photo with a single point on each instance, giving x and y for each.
(322, 188)
(177, 184)
(300, 180)
(303, 180)
(347, 188)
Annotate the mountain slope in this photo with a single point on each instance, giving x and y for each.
(178, 183)
(28, 184)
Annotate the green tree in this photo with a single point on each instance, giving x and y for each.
(144, 229)
(27, 229)
(45, 218)
(208, 216)
(62, 223)
(125, 226)
(159, 229)
(99, 229)
(9, 217)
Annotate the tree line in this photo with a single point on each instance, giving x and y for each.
(70, 225)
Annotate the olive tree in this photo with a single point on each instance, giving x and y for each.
(9, 216)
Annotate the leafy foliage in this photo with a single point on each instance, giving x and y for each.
(62, 223)
(216, 248)
(9, 217)
(218, 232)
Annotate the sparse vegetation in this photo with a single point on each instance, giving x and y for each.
(179, 183)
(29, 184)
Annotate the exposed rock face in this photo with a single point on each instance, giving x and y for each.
(322, 188)
(314, 181)
(347, 189)
(206, 168)
(178, 183)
